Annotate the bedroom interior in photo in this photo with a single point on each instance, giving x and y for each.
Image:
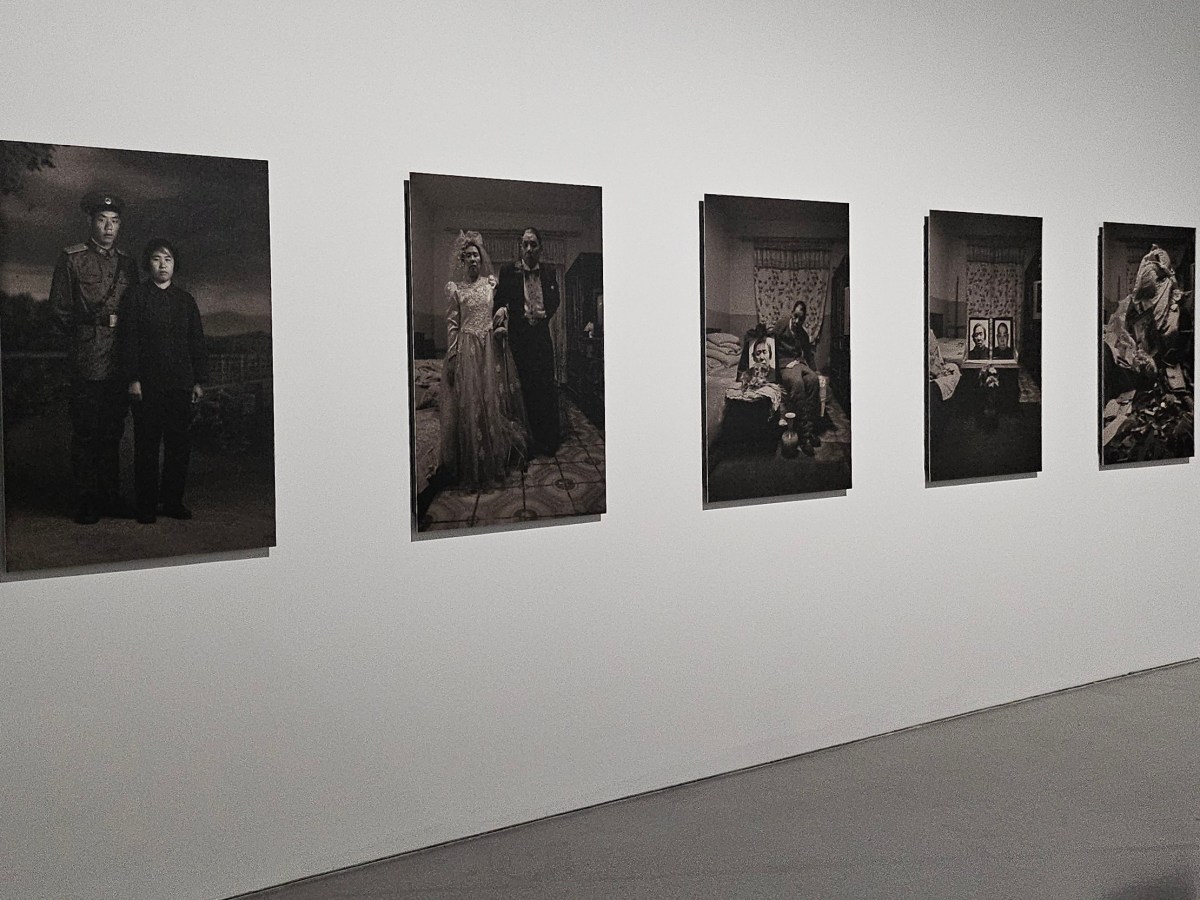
(539, 484)
(786, 431)
(983, 315)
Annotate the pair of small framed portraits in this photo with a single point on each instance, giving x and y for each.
(991, 339)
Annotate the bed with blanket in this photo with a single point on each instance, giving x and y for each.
(721, 354)
(945, 363)
(427, 431)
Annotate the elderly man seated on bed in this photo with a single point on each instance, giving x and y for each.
(797, 373)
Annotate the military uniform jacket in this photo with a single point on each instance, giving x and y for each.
(161, 339)
(85, 297)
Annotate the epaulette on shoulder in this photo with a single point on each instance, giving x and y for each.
(75, 248)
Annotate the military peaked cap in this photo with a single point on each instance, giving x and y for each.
(100, 201)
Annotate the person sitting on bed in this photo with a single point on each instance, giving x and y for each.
(798, 373)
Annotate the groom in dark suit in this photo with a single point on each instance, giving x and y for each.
(526, 300)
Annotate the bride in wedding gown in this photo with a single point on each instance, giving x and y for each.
(482, 414)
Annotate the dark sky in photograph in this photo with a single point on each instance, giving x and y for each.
(214, 210)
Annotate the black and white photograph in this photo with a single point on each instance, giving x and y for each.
(135, 330)
(775, 323)
(1147, 343)
(980, 346)
(983, 403)
(1002, 343)
(506, 320)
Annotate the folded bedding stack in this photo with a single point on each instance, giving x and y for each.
(722, 351)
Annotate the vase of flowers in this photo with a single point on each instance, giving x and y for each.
(989, 385)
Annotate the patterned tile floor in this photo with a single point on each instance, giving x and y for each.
(570, 483)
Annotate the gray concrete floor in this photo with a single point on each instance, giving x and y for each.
(1089, 794)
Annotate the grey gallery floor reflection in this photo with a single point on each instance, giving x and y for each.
(135, 317)
(775, 328)
(506, 318)
(983, 318)
(1147, 343)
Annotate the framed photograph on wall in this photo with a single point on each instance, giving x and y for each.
(983, 406)
(775, 287)
(506, 318)
(1147, 343)
(135, 316)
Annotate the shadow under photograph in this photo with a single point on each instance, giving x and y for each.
(983, 317)
(775, 323)
(506, 318)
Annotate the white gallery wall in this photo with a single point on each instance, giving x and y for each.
(194, 731)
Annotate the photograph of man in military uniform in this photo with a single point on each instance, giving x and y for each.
(89, 281)
(74, 222)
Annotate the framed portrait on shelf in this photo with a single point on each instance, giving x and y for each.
(1003, 339)
(979, 339)
(135, 317)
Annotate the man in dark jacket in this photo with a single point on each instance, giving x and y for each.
(89, 281)
(797, 373)
(526, 300)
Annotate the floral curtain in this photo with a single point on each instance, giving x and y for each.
(995, 282)
(784, 275)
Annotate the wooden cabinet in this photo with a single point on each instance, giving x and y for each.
(585, 346)
(839, 335)
(1031, 320)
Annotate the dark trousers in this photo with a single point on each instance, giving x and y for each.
(161, 419)
(533, 353)
(98, 410)
(802, 388)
